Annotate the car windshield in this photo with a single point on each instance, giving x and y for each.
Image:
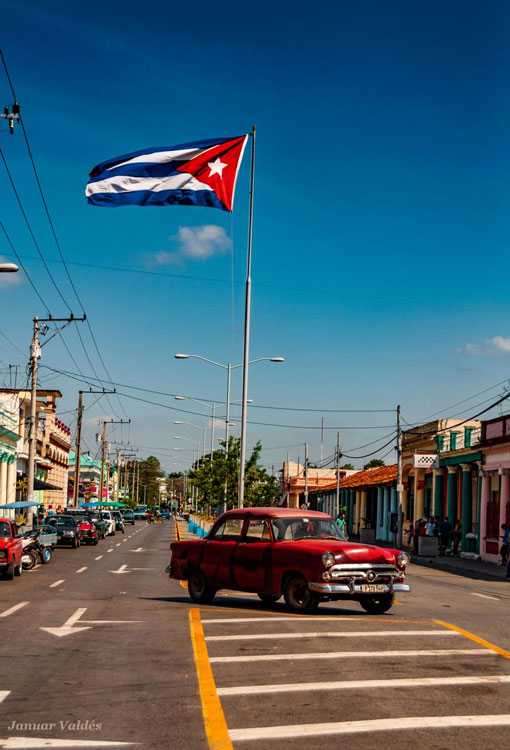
(81, 518)
(5, 530)
(285, 529)
(116, 514)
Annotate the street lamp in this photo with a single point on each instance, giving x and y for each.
(229, 367)
(197, 426)
(8, 268)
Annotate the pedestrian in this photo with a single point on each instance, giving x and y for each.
(504, 543)
(410, 534)
(457, 536)
(341, 522)
(51, 511)
(430, 528)
(445, 531)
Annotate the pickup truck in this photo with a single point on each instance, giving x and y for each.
(11, 549)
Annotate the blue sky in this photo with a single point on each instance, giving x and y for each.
(381, 221)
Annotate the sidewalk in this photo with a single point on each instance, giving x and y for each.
(462, 566)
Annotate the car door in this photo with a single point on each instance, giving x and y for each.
(252, 558)
(217, 552)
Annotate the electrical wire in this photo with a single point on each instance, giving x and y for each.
(55, 237)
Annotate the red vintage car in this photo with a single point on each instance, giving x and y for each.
(11, 549)
(301, 555)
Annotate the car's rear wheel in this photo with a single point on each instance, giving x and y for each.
(198, 588)
(46, 555)
(377, 605)
(18, 570)
(298, 597)
(268, 598)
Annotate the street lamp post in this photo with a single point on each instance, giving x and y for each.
(229, 367)
(8, 268)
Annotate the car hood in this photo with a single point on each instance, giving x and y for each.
(345, 552)
(4, 542)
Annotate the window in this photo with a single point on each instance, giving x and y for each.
(453, 441)
(230, 530)
(258, 531)
(440, 442)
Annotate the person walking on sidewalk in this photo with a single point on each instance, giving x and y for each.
(456, 536)
(445, 530)
(504, 543)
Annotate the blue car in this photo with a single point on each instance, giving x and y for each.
(165, 514)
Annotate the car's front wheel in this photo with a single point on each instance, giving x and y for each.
(198, 588)
(298, 597)
(377, 605)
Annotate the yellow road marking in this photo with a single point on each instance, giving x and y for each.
(177, 531)
(214, 719)
(399, 604)
(476, 639)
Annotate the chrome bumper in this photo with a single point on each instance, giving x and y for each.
(168, 569)
(344, 588)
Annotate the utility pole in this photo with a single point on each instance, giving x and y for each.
(78, 442)
(103, 445)
(35, 354)
(337, 502)
(133, 479)
(322, 439)
(306, 474)
(400, 486)
(118, 477)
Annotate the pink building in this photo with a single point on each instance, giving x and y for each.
(495, 495)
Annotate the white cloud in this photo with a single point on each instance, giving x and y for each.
(9, 279)
(497, 345)
(196, 243)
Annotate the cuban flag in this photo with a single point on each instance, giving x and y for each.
(202, 173)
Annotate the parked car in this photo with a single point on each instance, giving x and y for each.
(110, 522)
(301, 555)
(99, 522)
(140, 512)
(67, 529)
(119, 521)
(87, 529)
(165, 513)
(129, 516)
(11, 549)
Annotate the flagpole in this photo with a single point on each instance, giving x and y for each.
(247, 312)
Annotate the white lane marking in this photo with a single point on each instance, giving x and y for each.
(99, 557)
(139, 549)
(118, 545)
(68, 627)
(318, 634)
(110, 550)
(122, 569)
(4, 694)
(80, 570)
(14, 609)
(124, 541)
(225, 620)
(360, 684)
(353, 655)
(484, 596)
(36, 743)
(57, 583)
(371, 725)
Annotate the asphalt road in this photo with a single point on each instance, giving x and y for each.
(120, 646)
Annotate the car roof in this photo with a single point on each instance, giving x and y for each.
(276, 513)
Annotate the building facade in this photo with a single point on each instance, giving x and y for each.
(495, 486)
(294, 482)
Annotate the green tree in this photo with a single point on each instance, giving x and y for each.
(217, 480)
(347, 466)
(374, 463)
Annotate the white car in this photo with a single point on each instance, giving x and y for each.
(110, 520)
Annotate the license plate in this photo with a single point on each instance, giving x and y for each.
(372, 588)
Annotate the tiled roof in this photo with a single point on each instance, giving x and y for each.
(381, 475)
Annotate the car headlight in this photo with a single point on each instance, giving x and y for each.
(68, 533)
(328, 559)
(403, 560)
